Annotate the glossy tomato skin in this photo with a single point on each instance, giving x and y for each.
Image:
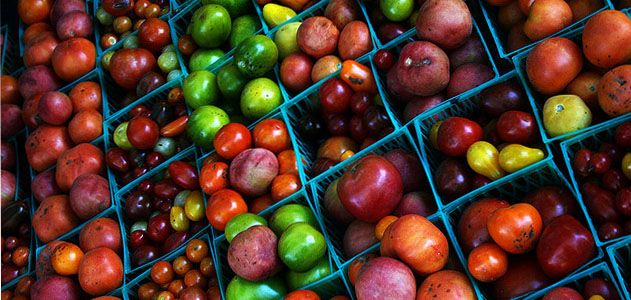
(335, 96)
(487, 262)
(184, 175)
(516, 228)
(471, 230)
(456, 134)
(159, 228)
(118, 7)
(214, 177)
(74, 58)
(128, 66)
(523, 275)
(222, 206)
(517, 127)
(563, 293)
(551, 202)
(602, 287)
(154, 34)
(361, 188)
(143, 132)
(232, 139)
(100, 271)
(33, 11)
(565, 245)
(271, 134)
(553, 64)
(453, 179)
(302, 295)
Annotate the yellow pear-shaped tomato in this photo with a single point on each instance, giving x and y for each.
(433, 134)
(515, 157)
(483, 158)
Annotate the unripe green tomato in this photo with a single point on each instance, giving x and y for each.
(120, 136)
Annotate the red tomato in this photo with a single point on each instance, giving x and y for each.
(143, 132)
(224, 205)
(261, 203)
(154, 34)
(74, 58)
(515, 228)
(162, 272)
(488, 262)
(335, 96)
(184, 175)
(302, 295)
(232, 139)
(214, 177)
(287, 162)
(284, 186)
(32, 11)
(86, 95)
(272, 134)
(100, 271)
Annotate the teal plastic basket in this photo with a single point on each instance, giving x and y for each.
(134, 282)
(620, 257)
(11, 60)
(334, 232)
(98, 28)
(465, 106)
(591, 139)
(154, 175)
(293, 112)
(11, 285)
(499, 36)
(220, 244)
(179, 24)
(395, 47)
(546, 174)
(578, 280)
(537, 100)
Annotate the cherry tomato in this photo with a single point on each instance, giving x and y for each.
(196, 250)
(302, 295)
(175, 128)
(207, 267)
(152, 11)
(162, 272)
(181, 265)
(384, 60)
(187, 45)
(184, 175)
(122, 24)
(176, 286)
(271, 134)
(154, 34)
(284, 186)
(140, 6)
(66, 259)
(214, 177)
(261, 203)
(515, 228)
(176, 95)
(287, 162)
(487, 262)
(214, 157)
(195, 278)
(108, 40)
(335, 96)
(232, 139)
(20, 256)
(148, 290)
(224, 205)
(165, 295)
(142, 132)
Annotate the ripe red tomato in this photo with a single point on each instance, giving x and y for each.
(214, 177)
(100, 271)
(456, 134)
(287, 162)
(184, 175)
(302, 295)
(272, 134)
(118, 7)
(284, 186)
(128, 66)
(335, 96)
(232, 139)
(86, 95)
(162, 272)
(517, 127)
(515, 228)
(33, 11)
(261, 203)
(74, 58)
(154, 34)
(488, 262)
(143, 132)
(224, 205)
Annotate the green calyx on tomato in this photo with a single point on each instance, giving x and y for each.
(204, 123)
(301, 246)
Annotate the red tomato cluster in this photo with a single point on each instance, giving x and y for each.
(257, 165)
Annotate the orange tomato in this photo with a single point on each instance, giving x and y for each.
(162, 272)
(488, 262)
(176, 95)
(214, 177)
(358, 76)
(287, 162)
(261, 203)
(224, 205)
(196, 250)
(213, 157)
(284, 186)
(231, 140)
(382, 225)
(302, 295)
(66, 259)
(346, 155)
(515, 228)
(356, 265)
(271, 134)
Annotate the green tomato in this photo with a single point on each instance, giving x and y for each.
(296, 280)
(272, 288)
(178, 219)
(194, 206)
(120, 136)
(139, 225)
(231, 107)
(180, 198)
(242, 28)
(175, 74)
(231, 82)
(200, 88)
(131, 42)
(259, 97)
(286, 39)
(202, 59)
(210, 26)
(396, 10)
(234, 7)
(167, 61)
(105, 60)
(256, 56)
(104, 17)
(204, 123)
(241, 223)
(301, 246)
(165, 146)
(290, 214)
(168, 48)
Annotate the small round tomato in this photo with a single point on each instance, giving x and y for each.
(261, 203)
(302, 295)
(272, 134)
(186, 45)
(384, 60)
(162, 272)
(165, 295)
(382, 225)
(356, 266)
(148, 291)
(207, 267)
(142, 133)
(86, 95)
(176, 286)
(183, 174)
(284, 186)
(66, 259)
(224, 205)
(232, 139)
(214, 177)
(153, 34)
(181, 265)
(140, 6)
(195, 278)
(488, 262)
(287, 162)
(122, 24)
(196, 250)
(515, 228)
(20, 256)
(335, 96)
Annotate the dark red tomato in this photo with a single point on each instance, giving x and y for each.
(174, 240)
(384, 60)
(600, 203)
(335, 96)
(456, 134)
(563, 293)
(143, 133)
(232, 139)
(453, 179)
(187, 45)
(517, 127)
(612, 150)
(166, 189)
(295, 72)
(138, 238)
(154, 34)
(128, 66)
(551, 202)
(375, 119)
(523, 275)
(601, 162)
(471, 230)
(479, 181)
(564, 246)
(184, 175)
(515, 228)
(609, 231)
(271, 134)
(600, 286)
(623, 202)
(159, 228)
(357, 129)
(140, 110)
(118, 7)
(337, 124)
(389, 31)
(582, 163)
(614, 180)
(137, 206)
(145, 186)
(117, 160)
(623, 135)
(360, 102)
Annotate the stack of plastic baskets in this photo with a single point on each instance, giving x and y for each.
(620, 256)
